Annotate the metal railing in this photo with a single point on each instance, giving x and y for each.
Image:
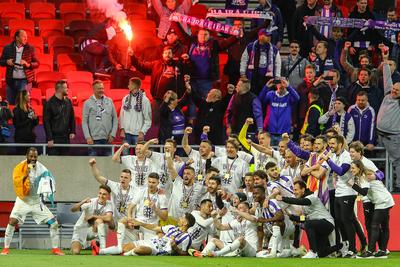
(44, 148)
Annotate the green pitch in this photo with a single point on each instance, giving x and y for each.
(42, 258)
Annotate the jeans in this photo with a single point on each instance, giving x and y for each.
(99, 151)
(201, 87)
(275, 139)
(15, 86)
(130, 139)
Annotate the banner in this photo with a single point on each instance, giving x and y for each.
(353, 23)
(204, 23)
(237, 13)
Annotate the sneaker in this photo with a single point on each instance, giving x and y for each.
(195, 253)
(381, 255)
(5, 251)
(57, 251)
(95, 248)
(345, 248)
(366, 255)
(350, 255)
(286, 253)
(387, 251)
(310, 255)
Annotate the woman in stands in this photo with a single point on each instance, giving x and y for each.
(24, 120)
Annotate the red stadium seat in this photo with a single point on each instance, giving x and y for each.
(78, 114)
(72, 11)
(27, 3)
(69, 62)
(36, 96)
(198, 11)
(42, 10)
(46, 63)
(39, 111)
(50, 27)
(24, 24)
(60, 44)
(80, 84)
(11, 11)
(118, 94)
(38, 43)
(79, 29)
(47, 79)
(5, 40)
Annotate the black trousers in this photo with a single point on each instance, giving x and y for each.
(344, 214)
(318, 232)
(332, 211)
(379, 229)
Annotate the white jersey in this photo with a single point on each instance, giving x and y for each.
(200, 230)
(144, 213)
(120, 199)
(220, 151)
(368, 164)
(232, 172)
(342, 189)
(162, 170)
(249, 196)
(247, 229)
(284, 184)
(162, 246)
(184, 198)
(227, 236)
(93, 208)
(379, 195)
(261, 159)
(211, 197)
(140, 170)
(279, 159)
(292, 173)
(199, 165)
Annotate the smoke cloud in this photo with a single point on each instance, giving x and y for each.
(111, 8)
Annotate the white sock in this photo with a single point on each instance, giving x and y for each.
(120, 235)
(209, 247)
(55, 235)
(130, 253)
(8, 235)
(114, 250)
(276, 234)
(101, 232)
(227, 249)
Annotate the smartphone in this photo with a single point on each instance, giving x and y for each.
(328, 78)
(276, 81)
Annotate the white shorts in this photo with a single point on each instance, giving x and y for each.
(159, 246)
(40, 213)
(248, 250)
(83, 233)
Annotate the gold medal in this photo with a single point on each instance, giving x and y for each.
(147, 202)
(302, 218)
(184, 205)
(227, 176)
(199, 177)
(122, 209)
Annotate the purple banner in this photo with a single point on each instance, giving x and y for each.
(236, 13)
(204, 23)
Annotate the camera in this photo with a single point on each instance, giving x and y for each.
(276, 81)
(328, 78)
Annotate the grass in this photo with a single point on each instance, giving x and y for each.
(42, 258)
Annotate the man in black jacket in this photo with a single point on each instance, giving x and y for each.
(211, 113)
(59, 119)
(20, 59)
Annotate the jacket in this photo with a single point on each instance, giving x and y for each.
(278, 119)
(28, 54)
(156, 69)
(375, 95)
(364, 122)
(58, 118)
(297, 75)
(99, 126)
(134, 122)
(345, 121)
(24, 125)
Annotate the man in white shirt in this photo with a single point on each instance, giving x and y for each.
(26, 177)
(139, 165)
(231, 167)
(96, 216)
(135, 115)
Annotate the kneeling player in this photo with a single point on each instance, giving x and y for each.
(97, 214)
